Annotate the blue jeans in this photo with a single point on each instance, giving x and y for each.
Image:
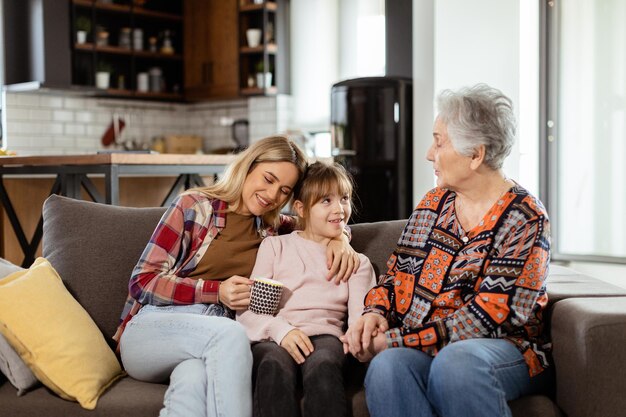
(206, 357)
(467, 378)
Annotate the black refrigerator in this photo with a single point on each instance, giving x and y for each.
(372, 132)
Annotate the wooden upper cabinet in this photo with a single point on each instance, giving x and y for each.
(211, 49)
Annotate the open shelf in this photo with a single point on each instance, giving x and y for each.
(123, 30)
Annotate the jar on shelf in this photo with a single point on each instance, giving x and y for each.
(102, 36)
(167, 47)
(124, 40)
(156, 79)
(152, 44)
(142, 82)
(138, 39)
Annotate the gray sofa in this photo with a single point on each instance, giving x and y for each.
(94, 248)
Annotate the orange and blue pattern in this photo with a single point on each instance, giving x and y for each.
(445, 284)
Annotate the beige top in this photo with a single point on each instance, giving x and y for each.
(232, 252)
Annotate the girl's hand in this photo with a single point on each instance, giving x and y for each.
(298, 345)
(341, 260)
(234, 292)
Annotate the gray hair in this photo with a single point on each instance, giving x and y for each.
(479, 115)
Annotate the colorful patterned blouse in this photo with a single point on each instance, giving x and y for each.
(445, 285)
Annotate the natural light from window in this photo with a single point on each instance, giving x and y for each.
(591, 128)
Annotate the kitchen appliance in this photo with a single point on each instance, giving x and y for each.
(371, 134)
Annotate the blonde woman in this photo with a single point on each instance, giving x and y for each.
(193, 274)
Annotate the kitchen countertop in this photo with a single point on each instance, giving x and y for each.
(73, 173)
(117, 158)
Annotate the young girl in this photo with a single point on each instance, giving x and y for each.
(303, 337)
(177, 324)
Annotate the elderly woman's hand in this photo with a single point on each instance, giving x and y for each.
(342, 260)
(234, 292)
(366, 335)
(379, 343)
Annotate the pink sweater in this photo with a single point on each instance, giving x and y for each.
(309, 302)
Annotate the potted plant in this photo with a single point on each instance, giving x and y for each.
(103, 74)
(263, 77)
(83, 27)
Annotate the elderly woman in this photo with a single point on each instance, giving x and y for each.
(455, 327)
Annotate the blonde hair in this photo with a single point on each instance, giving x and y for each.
(321, 179)
(229, 188)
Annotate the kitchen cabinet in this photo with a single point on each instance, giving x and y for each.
(138, 42)
(211, 44)
(264, 68)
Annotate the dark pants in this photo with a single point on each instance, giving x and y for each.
(275, 377)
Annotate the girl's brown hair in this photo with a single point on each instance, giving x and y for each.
(320, 180)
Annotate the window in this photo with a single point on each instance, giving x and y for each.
(584, 146)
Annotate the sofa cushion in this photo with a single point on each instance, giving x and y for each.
(11, 365)
(565, 283)
(94, 247)
(7, 268)
(14, 368)
(127, 398)
(589, 335)
(534, 406)
(54, 335)
(377, 241)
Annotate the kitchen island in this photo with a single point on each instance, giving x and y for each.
(25, 182)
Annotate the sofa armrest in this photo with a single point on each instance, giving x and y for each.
(589, 348)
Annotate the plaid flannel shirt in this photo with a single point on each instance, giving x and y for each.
(177, 245)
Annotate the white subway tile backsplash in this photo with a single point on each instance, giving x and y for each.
(54, 128)
(95, 129)
(21, 142)
(63, 115)
(84, 116)
(103, 117)
(74, 129)
(64, 142)
(18, 113)
(45, 124)
(51, 101)
(39, 114)
(27, 100)
(74, 103)
(11, 100)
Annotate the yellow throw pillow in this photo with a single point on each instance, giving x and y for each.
(55, 336)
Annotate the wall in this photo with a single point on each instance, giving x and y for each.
(38, 123)
(478, 42)
(458, 43)
(314, 60)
